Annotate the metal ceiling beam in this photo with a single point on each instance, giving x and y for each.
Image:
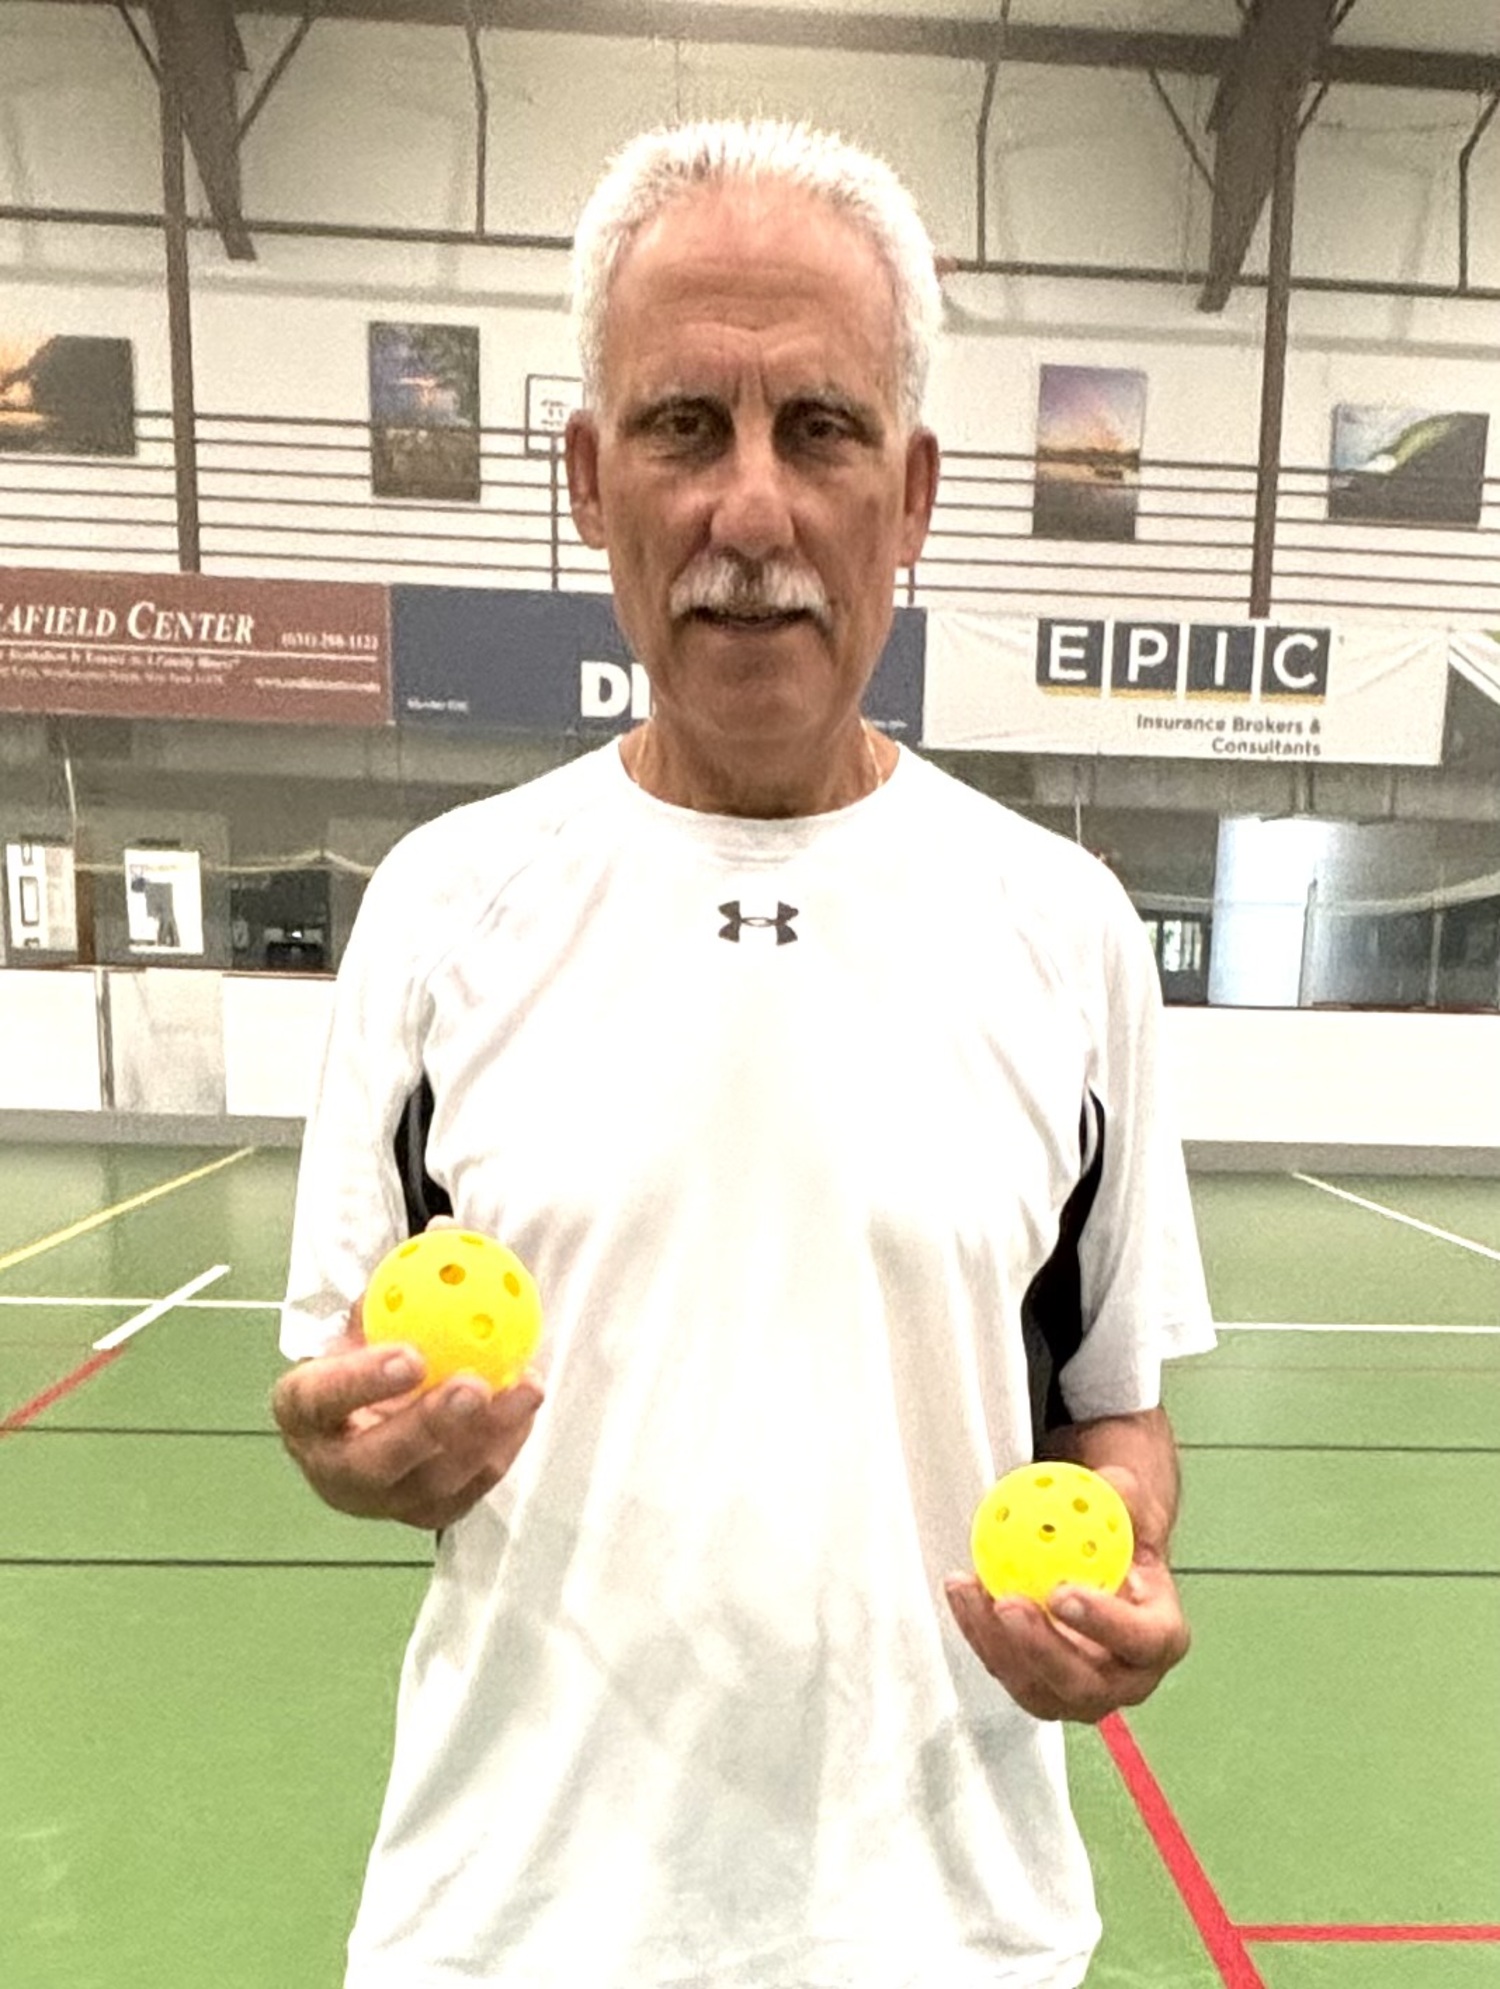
(965, 40)
(1260, 93)
(199, 48)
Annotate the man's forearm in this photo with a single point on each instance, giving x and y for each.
(1142, 1443)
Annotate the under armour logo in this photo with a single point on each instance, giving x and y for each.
(781, 924)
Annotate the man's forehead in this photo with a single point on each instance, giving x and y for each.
(749, 271)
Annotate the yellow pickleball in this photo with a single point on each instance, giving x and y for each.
(465, 1302)
(1048, 1523)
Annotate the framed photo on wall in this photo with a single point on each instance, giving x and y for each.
(424, 412)
(1090, 425)
(67, 396)
(1407, 466)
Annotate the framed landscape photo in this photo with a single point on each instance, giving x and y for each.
(1090, 425)
(424, 412)
(1406, 466)
(67, 396)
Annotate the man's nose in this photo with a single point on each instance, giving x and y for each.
(752, 512)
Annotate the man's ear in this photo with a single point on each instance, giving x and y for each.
(581, 453)
(922, 469)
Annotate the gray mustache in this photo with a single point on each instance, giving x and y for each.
(726, 586)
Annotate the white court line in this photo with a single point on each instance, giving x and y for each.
(1354, 1326)
(112, 1304)
(1379, 1208)
(158, 1307)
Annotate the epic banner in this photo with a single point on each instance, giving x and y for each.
(534, 661)
(159, 645)
(1186, 690)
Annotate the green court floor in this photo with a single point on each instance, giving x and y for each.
(199, 1663)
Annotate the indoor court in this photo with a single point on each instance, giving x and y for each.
(201, 1662)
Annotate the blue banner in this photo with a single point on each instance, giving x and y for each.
(543, 662)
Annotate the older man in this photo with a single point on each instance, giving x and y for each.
(818, 1093)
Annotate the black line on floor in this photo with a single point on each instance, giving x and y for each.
(135, 1429)
(1357, 1449)
(1345, 1574)
(189, 1561)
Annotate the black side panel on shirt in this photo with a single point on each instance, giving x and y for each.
(1052, 1310)
(423, 1197)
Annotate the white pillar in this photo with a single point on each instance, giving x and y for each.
(1261, 882)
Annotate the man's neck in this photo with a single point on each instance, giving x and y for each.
(767, 784)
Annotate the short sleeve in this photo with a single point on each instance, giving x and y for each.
(349, 1206)
(1143, 1294)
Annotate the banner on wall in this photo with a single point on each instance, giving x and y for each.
(160, 645)
(1262, 691)
(535, 661)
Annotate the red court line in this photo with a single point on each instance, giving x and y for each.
(1477, 1933)
(1224, 1941)
(18, 1418)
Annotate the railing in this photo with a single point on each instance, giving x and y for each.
(291, 497)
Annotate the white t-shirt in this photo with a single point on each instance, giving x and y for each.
(786, 1118)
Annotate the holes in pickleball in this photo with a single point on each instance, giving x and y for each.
(394, 1298)
(407, 1248)
(1047, 1530)
(1080, 1505)
(512, 1284)
(481, 1326)
(452, 1274)
(1088, 1549)
(1043, 1484)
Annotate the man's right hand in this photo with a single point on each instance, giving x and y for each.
(370, 1446)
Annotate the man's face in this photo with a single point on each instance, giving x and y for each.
(750, 424)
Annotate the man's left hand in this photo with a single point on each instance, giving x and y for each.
(1088, 1653)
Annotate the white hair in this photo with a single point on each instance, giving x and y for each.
(662, 166)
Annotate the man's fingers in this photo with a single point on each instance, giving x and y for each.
(464, 1431)
(1139, 1628)
(1056, 1671)
(318, 1398)
(423, 1460)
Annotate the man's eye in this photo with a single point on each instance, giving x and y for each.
(820, 425)
(684, 424)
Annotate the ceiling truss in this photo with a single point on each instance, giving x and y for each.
(1285, 50)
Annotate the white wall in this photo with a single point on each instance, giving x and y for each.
(49, 1023)
(1257, 1076)
(273, 1043)
(375, 125)
(1313, 1077)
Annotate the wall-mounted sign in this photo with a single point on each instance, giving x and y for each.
(168, 645)
(40, 899)
(550, 399)
(532, 661)
(1186, 690)
(164, 901)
